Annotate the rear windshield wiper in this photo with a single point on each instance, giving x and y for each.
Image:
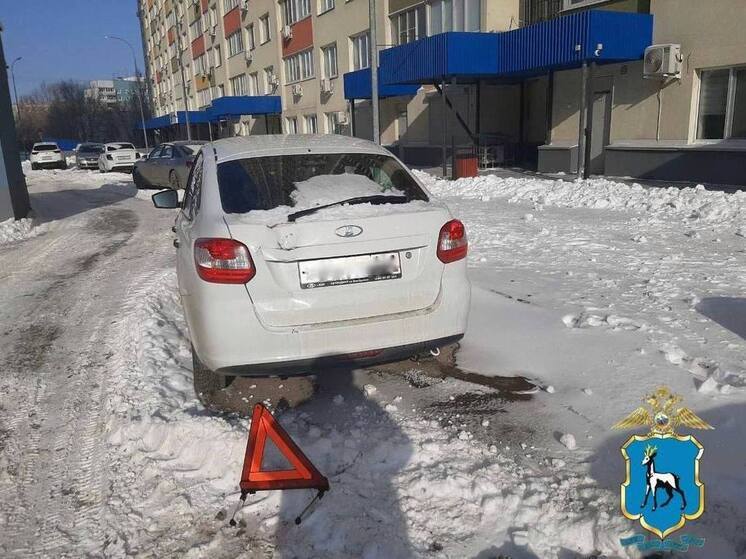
(374, 199)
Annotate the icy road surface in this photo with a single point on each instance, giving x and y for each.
(597, 291)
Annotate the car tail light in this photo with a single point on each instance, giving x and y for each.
(452, 243)
(223, 261)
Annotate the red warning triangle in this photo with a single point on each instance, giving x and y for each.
(303, 475)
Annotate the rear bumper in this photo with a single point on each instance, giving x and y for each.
(351, 360)
(55, 163)
(229, 338)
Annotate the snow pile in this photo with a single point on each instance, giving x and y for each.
(328, 189)
(695, 203)
(18, 229)
(402, 485)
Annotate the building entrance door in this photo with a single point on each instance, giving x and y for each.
(600, 131)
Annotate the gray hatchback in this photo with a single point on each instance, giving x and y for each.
(167, 166)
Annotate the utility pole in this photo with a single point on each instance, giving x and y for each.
(15, 93)
(139, 89)
(373, 39)
(183, 79)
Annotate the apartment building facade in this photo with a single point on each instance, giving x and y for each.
(511, 84)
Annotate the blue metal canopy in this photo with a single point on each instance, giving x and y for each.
(237, 105)
(565, 42)
(155, 123)
(357, 86)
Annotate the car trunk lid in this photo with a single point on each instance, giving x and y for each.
(337, 266)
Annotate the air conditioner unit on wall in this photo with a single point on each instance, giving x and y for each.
(297, 90)
(662, 61)
(287, 32)
(244, 5)
(342, 118)
(249, 56)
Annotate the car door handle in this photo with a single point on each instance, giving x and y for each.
(176, 243)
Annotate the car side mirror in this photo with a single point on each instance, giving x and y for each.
(166, 199)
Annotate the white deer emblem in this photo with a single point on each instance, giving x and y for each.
(667, 481)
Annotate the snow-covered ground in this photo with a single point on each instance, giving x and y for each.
(597, 291)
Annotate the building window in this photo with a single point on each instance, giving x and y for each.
(217, 56)
(250, 39)
(292, 125)
(264, 29)
(238, 85)
(722, 104)
(360, 51)
(570, 4)
(454, 15)
(195, 28)
(295, 10)
(228, 5)
(235, 43)
(203, 98)
(200, 64)
(332, 123)
(325, 6)
(299, 67)
(254, 84)
(311, 123)
(269, 80)
(329, 55)
(213, 17)
(409, 25)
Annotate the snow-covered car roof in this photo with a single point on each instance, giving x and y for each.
(292, 144)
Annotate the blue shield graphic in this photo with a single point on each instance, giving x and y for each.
(662, 487)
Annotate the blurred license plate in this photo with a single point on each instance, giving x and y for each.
(350, 269)
(122, 157)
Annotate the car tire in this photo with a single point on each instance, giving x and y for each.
(173, 180)
(63, 165)
(207, 382)
(100, 170)
(137, 179)
(34, 167)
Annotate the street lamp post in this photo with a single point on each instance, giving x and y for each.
(139, 91)
(15, 93)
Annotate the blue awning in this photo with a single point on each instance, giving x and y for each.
(565, 42)
(237, 105)
(155, 123)
(357, 86)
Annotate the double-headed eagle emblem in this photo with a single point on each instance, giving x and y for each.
(665, 416)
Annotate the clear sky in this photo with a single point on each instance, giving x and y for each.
(64, 39)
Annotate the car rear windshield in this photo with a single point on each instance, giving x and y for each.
(45, 147)
(90, 149)
(115, 147)
(304, 181)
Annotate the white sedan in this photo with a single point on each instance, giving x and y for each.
(118, 156)
(298, 253)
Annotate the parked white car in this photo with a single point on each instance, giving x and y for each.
(297, 253)
(47, 154)
(118, 156)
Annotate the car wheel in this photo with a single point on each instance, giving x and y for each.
(173, 180)
(137, 179)
(207, 382)
(100, 170)
(63, 165)
(34, 167)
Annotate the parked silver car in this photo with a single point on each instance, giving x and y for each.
(167, 165)
(86, 155)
